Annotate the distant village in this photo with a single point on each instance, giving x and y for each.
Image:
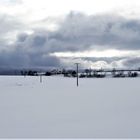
(86, 73)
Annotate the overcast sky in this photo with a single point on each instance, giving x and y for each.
(39, 33)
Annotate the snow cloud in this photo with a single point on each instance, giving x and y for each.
(81, 32)
(76, 32)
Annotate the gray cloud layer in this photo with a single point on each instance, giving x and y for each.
(81, 32)
(77, 32)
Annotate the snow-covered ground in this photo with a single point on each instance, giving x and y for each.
(56, 108)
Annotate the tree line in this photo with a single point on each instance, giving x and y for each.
(86, 73)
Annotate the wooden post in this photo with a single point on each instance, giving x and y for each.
(77, 70)
(40, 78)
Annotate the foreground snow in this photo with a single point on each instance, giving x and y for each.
(56, 108)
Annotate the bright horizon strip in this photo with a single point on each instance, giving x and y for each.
(94, 53)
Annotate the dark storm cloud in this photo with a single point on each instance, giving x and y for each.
(27, 52)
(80, 32)
(24, 59)
(77, 32)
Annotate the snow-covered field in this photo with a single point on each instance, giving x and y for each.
(56, 108)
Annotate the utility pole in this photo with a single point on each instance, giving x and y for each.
(40, 78)
(77, 70)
